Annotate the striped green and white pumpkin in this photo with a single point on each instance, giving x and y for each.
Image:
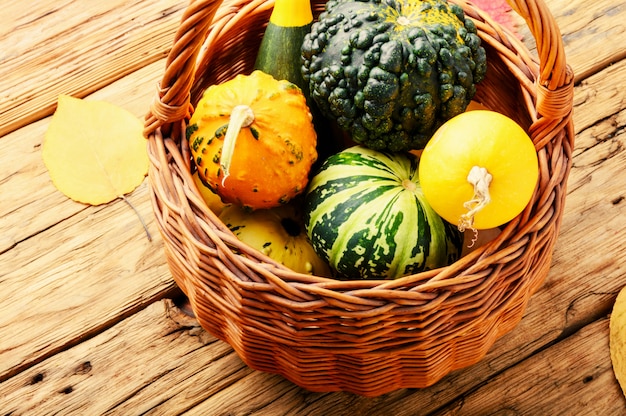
(365, 214)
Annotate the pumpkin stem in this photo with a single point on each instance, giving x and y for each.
(241, 116)
(480, 178)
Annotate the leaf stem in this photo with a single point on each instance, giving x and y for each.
(145, 227)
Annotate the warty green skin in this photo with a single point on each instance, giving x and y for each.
(367, 225)
(390, 86)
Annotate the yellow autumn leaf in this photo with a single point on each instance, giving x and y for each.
(617, 338)
(94, 151)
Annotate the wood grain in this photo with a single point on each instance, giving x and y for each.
(152, 361)
(575, 374)
(593, 33)
(83, 329)
(75, 47)
(76, 279)
(89, 266)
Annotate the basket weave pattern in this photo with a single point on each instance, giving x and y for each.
(365, 337)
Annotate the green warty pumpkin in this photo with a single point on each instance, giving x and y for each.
(390, 72)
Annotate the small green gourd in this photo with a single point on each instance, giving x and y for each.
(280, 50)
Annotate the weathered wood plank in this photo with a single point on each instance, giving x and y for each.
(593, 33)
(77, 278)
(70, 270)
(572, 375)
(159, 362)
(152, 362)
(75, 48)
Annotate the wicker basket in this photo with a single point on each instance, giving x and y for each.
(365, 337)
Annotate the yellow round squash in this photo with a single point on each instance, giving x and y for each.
(479, 170)
(279, 234)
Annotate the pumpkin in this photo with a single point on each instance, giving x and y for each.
(391, 72)
(253, 140)
(279, 234)
(479, 170)
(366, 215)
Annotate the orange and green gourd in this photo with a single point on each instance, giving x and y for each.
(253, 140)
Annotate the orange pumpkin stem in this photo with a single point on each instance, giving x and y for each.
(480, 178)
(241, 116)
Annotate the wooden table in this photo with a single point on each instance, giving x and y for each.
(87, 321)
